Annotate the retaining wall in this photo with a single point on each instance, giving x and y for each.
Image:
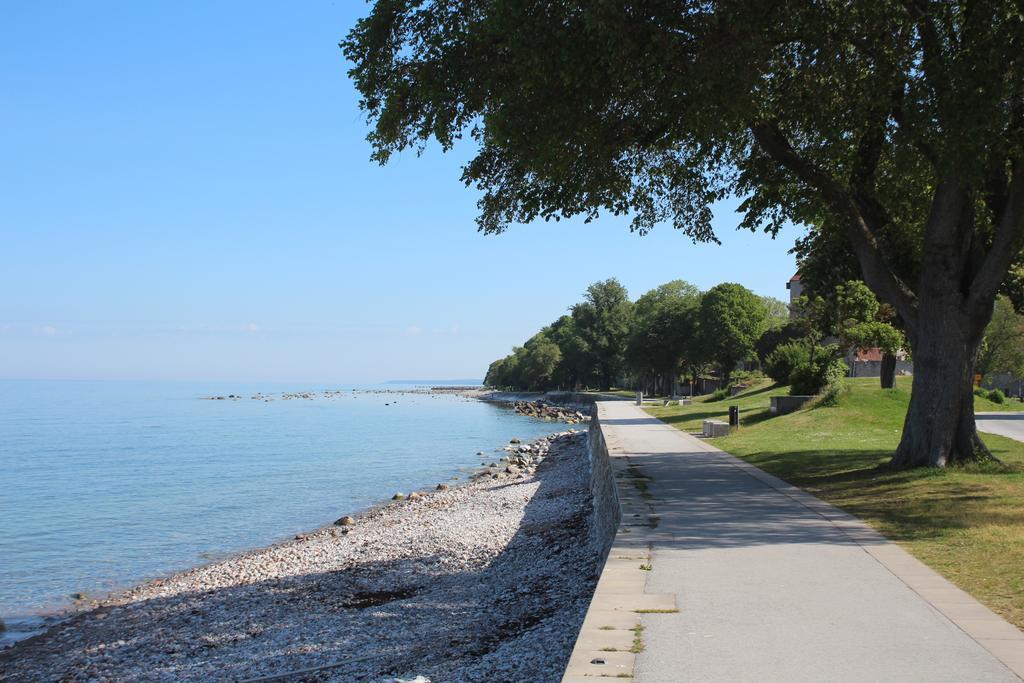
(607, 513)
(782, 405)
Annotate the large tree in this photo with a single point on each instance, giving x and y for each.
(574, 368)
(537, 368)
(898, 122)
(664, 322)
(603, 321)
(730, 320)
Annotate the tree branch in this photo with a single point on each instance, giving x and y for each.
(931, 43)
(877, 272)
(1006, 246)
(899, 116)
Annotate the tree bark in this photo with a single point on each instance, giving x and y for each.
(888, 370)
(939, 428)
(946, 314)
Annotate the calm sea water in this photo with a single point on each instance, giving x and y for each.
(105, 484)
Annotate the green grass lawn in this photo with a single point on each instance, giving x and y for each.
(753, 404)
(966, 523)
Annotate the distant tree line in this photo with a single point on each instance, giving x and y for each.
(675, 332)
(671, 331)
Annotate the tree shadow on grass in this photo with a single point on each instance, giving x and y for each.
(757, 392)
(912, 505)
(747, 418)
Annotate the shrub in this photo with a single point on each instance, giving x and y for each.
(774, 337)
(745, 375)
(830, 394)
(719, 395)
(996, 396)
(810, 378)
(803, 380)
(978, 391)
(780, 363)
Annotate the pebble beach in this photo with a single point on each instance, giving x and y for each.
(487, 580)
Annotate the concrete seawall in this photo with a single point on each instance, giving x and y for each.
(607, 512)
(624, 528)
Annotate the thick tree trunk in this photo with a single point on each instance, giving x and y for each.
(888, 371)
(939, 428)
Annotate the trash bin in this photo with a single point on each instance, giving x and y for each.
(734, 417)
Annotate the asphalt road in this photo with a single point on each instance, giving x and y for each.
(1005, 424)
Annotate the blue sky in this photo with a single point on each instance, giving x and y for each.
(187, 195)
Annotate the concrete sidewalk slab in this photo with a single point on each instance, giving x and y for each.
(773, 584)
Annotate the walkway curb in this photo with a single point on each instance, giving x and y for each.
(611, 634)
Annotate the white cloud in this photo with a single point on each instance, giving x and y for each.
(251, 327)
(45, 330)
(412, 331)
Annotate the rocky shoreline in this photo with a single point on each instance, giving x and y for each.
(545, 410)
(488, 580)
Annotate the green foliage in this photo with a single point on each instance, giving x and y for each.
(495, 374)
(811, 377)
(664, 323)
(894, 127)
(603, 320)
(746, 376)
(777, 311)
(529, 367)
(831, 396)
(576, 366)
(875, 334)
(730, 320)
(575, 349)
(996, 396)
(781, 362)
(779, 334)
(537, 367)
(718, 395)
(855, 303)
(603, 323)
(1003, 347)
(578, 108)
(858, 319)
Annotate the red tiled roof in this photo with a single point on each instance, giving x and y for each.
(795, 278)
(869, 354)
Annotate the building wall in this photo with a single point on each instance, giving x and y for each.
(873, 368)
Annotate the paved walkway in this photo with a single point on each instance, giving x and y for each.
(771, 584)
(1004, 424)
